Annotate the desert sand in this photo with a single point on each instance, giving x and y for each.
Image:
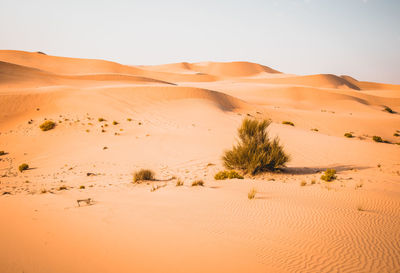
(178, 119)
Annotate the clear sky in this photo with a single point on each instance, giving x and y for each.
(360, 38)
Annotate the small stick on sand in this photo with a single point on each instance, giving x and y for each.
(88, 201)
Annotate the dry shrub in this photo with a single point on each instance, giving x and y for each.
(143, 175)
(255, 151)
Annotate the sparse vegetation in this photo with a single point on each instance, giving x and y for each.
(222, 175)
(62, 188)
(129, 119)
(101, 119)
(115, 122)
(143, 175)
(255, 152)
(313, 182)
(349, 135)
(395, 134)
(359, 185)
(82, 187)
(288, 123)
(23, 167)
(329, 175)
(252, 193)
(197, 183)
(2, 153)
(179, 183)
(43, 191)
(389, 110)
(47, 125)
(377, 139)
(303, 183)
(314, 129)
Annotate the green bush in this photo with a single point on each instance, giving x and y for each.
(23, 167)
(222, 175)
(329, 175)
(389, 110)
(255, 152)
(47, 125)
(179, 183)
(143, 175)
(197, 183)
(288, 123)
(349, 135)
(252, 193)
(377, 139)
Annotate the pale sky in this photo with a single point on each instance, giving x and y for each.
(360, 38)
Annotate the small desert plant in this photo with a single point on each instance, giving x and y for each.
(314, 129)
(43, 191)
(377, 139)
(288, 123)
(252, 193)
(82, 187)
(303, 183)
(23, 167)
(222, 175)
(359, 185)
(115, 122)
(101, 119)
(329, 175)
(47, 125)
(142, 175)
(197, 183)
(255, 152)
(395, 134)
(129, 119)
(313, 182)
(62, 188)
(389, 110)
(2, 153)
(179, 183)
(349, 135)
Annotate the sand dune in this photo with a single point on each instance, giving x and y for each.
(177, 119)
(219, 69)
(74, 66)
(232, 69)
(12, 75)
(321, 81)
(371, 85)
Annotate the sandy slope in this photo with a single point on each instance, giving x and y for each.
(177, 119)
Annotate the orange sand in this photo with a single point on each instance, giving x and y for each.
(184, 116)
